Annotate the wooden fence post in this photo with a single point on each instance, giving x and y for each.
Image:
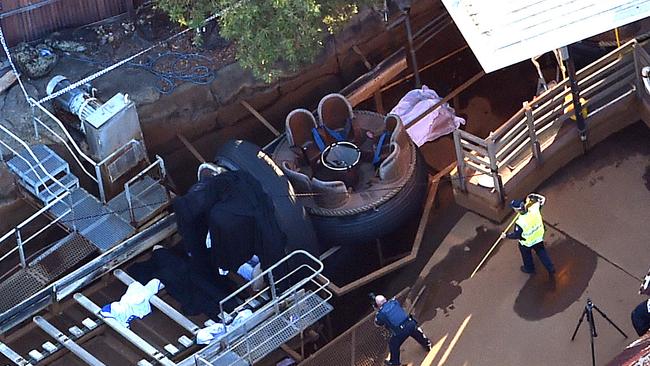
(494, 167)
(640, 87)
(460, 160)
(534, 142)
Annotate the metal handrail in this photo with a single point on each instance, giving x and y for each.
(285, 312)
(236, 336)
(67, 134)
(510, 139)
(17, 233)
(63, 141)
(87, 273)
(127, 191)
(31, 153)
(268, 271)
(275, 300)
(114, 153)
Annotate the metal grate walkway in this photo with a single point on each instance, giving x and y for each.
(101, 226)
(148, 197)
(60, 258)
(277, 330)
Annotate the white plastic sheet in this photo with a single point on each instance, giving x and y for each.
(441, 121)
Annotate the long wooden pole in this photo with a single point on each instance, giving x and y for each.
(494, 246)
(260, 118)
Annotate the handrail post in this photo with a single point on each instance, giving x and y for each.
(127, 194)
(274, 295)
(534, 142)
(74, 219)
(640, 88)
(21, 251)
(460, 161)
(36, 135)
(100, 183)
(163, 170)
(494, 168)
(575, 95)
(225, 323)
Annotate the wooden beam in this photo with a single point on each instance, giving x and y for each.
(371, 82)
(260, 118)
(191, 148)
(7, 80)
(419, 236)
(379, 103)
(446, 99)
(295, 355)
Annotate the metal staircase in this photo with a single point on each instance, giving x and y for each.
(91, 225)
(94, 221)
(35, 170)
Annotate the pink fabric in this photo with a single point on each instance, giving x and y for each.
(437, 123)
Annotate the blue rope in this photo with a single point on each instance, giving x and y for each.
(194, 70)
(377, 156)
(318, 139)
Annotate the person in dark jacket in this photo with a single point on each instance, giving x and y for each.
(641, 318)
(392, 316)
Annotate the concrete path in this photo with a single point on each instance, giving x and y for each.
(598, 237)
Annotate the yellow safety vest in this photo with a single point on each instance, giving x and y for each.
(531, 225)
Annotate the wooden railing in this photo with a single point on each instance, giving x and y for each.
(533, 128)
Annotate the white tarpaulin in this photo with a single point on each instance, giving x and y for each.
(437, 123)
(504, 32)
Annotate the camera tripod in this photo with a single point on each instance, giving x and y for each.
(587, 312)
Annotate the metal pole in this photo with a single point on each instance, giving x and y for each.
(100, 183)
(274, 295)
(21, 252)
(127, 195)
(409, 36)
(460, 160)
(575, 95)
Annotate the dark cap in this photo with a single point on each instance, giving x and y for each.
(517, 204)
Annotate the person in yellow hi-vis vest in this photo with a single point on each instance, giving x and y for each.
(529, 230)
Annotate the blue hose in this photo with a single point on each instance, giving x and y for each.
(184, 67)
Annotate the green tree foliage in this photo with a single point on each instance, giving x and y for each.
(272, 36)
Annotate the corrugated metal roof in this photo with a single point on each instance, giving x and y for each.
(504, 32)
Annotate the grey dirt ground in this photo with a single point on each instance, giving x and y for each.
(598, 237)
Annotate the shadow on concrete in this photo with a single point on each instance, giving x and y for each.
(541, 297)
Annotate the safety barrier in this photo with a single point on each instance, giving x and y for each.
(147, 187)
(528, 134)
(42, 175)
(88, 273)
(296, 300)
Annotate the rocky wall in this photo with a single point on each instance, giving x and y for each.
(201, 110)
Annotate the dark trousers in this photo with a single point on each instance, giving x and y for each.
(527, 257)
(641, 318)
(408, 329)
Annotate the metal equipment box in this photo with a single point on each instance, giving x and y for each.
(111, 126)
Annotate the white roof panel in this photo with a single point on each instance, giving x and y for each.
(504, 32)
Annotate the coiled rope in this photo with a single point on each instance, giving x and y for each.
(170, 67)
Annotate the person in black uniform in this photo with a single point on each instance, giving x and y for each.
(641, 318)
(392, 316)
